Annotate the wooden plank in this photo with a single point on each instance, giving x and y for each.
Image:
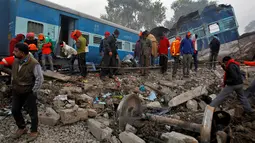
(56, 75)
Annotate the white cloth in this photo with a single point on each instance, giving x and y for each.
(68, 50)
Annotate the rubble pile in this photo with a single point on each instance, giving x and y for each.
(86, 110)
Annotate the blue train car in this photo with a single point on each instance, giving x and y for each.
(40, 16)
(213, 19)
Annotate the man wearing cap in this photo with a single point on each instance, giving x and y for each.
(110, 55)
(187, 50)
(27, 79)
(101, 47)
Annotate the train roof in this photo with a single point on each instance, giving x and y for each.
(72, 11)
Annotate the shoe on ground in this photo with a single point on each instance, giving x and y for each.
(19, 133)
(32, 136)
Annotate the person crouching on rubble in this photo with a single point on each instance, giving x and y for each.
(27, 79)
(46, 51)
(31, 41)
(233, 81)
(146, 46)
(70, 52)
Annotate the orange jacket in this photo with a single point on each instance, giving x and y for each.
(7, 61)
(175, 48)
(249, 63)
(46, 49)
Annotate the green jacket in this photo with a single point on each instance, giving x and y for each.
(81, 45)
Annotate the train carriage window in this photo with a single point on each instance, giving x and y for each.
(97, 40)
(86, 36)
(213, 28)
(119, 44)
(127, 46)
(37, 28)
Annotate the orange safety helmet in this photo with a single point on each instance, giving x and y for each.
(189, 34)
(30, 35)
(76, 34)
(41, 37)
(32, 47)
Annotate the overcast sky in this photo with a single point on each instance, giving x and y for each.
(244, 9)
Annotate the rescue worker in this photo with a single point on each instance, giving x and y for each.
(154, 49)
(81, 43)
(31, 41)
(175, 53)
(14, 41)
(215, 48)
(195, 60)
(164, 44)
(110, 56)
(101, 47)
(70, 52)
(137, 51)
(27, 79)
(146, 46)
(233, 81)
(187, 50)
(46, 51)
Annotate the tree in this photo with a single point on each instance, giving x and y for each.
(250, 27)
(135, 14)
(184, 7)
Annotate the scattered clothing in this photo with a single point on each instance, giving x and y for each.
(68, 50)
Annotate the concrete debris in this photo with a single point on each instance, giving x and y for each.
(198, 91)
(98, 130)
(213, 96)
(106, 115)
(92, 113)
(175, 137)
(167, 83)
(50, 117)
(155, 104)
(72, 89)
(98, 106)
(192, 105)
(69, 116)
(128, 137)
(56, 75)
(114, 139)
(202, 105)
(84, 98)
(130, 128)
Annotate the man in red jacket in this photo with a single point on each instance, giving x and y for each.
(14, 41)
(164, 44)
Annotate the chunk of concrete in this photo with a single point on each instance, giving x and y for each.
(50, 117)
(202, 105)
(130, 128)
(184, 97)
(155, 104)
(114, 139)
(98, 106)
(69, 116)
(73, 89)
(167, 83)
(56, 75)
(175, 137)
(192, 105)
(84, 98)
(92, 113)
(128, 137)
(99, 130)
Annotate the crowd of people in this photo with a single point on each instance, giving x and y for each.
(27, 73)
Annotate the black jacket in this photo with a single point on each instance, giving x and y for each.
(110, 45)
(233, 75)
(215, 45)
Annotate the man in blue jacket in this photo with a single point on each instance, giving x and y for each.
(187, 50)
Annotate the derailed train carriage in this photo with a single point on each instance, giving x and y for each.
(57, 22)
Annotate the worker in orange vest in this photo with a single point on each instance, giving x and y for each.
(175, 53)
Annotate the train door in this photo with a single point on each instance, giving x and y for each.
(66, 27)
